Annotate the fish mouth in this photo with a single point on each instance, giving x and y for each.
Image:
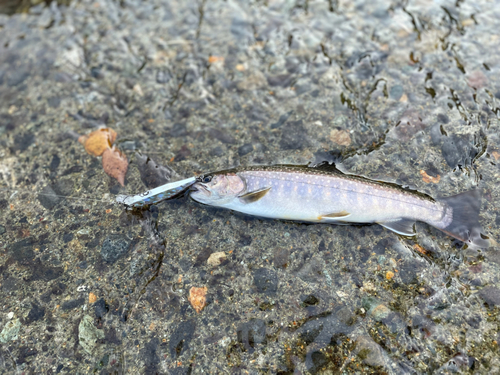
(199, 188)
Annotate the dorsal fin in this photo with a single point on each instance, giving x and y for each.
(255, 195)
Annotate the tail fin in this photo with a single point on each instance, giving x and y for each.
(464, 224)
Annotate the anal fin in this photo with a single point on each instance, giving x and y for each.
(254, 196)
(335, 215)
(403, 227)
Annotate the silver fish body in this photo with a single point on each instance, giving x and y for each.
(322, 196)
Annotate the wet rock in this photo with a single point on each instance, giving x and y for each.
(245, 149)
(44, 272)
(491, 295)
(53, 194)
(180, 338)
(217, 151)
(36, 313)
(283, 80)
(153, 174)
(409, 271)
(23, 141)
(54, 102)
(22, 251)
(310, 300)
(182, 154)
(179, 130)
(88, 334)
(101, 308)
(150, 356)
(223, 136)
(409, 124)
(114, 247)
(396, 92)
(312, 271)
(54, 163)
(252, 333)
(265, 280)
(255, 81)
(369, 352)
(294, 136)
(18, 76)
(10, 331)
(48, 198)
(375, 308)
(25, 352)
(281, 120)
(458, 151)
(72, 304)
(281, 257)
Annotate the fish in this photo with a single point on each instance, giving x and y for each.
(324, 194)
(164, 192)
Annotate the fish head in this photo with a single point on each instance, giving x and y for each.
(217, 189)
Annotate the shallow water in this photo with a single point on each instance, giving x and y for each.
(408, 92)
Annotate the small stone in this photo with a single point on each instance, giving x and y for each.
(255, 81)
(389, 275)
(113, 247)
(216, 259)
(197, 298)
(265, 280)
(88, 334)
(92, 297)
(2, 230)
(10, 331)
(245, 149)
(72, 304)
(491, 295)
(369, 351)
(101, 308)
(36, 313)
(340, 137)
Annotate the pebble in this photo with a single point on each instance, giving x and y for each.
(216, 259)
(113, 247)
(88, 334)
(265, 280)
(10, 331)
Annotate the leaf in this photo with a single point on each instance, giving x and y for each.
(99, 141)
(115, 164)
(197, 298)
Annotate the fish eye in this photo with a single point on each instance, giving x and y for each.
(207, 179)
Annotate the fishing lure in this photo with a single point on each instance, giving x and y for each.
(158, 194)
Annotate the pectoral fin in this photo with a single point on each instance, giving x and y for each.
(403, 227)
(254, 196)
(335, 215)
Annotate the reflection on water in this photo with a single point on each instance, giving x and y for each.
(406, 92)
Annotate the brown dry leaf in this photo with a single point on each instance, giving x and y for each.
(340, 137)
(100, 140)
(198, 298)
(214, 59)
(428, 178)
(115, 164)
(496, 155)
(92, 297)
